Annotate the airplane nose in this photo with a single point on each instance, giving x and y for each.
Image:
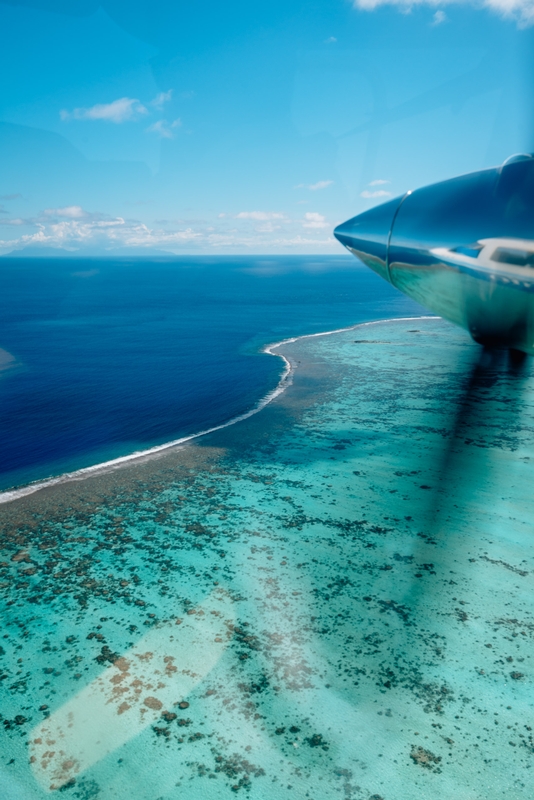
(367, 235)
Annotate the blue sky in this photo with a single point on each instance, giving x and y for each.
(238, 127)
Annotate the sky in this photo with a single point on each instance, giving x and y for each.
(129, 126)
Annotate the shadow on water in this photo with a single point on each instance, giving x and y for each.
(492, 372)
(487, 417)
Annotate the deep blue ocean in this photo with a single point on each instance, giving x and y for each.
(113, 356)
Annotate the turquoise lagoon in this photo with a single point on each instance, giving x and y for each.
(330, 599)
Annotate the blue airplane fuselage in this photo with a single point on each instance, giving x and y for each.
(463, 248)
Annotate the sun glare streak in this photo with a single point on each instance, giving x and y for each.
(131, 694)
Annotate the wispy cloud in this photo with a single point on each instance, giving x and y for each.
(10, 196)
(314, 187)
(165, 129)
(260, 216)
(125, 109)
(379, 193)
(438, 18)
(314, 220)
(75, 229)
(520, 10)
(15, 222)
(330, 40)
(3, 210)
(160, 99)
(90, 230)
(261, 243)
(371, 194)
(71, 212)
(112, 234)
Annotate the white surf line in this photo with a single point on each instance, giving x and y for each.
(269, 347)
(286, 379)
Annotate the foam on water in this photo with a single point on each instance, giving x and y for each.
(368, 537)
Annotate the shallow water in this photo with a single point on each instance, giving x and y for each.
(331, 599)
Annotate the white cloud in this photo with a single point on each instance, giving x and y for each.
(521, 10)
(314, 220)
(314, 187)
(379, 193)
(438, 18)
(319, 185)
(160, 99)
(105, 233)
(260, 216)
(260, 243)
(122, 110)
(267, 227)
(330, 40)
(165, 129)
(379, 182)
(76, 230)
(73, 212)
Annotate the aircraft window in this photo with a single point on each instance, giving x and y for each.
(471, 250)
(509, 255)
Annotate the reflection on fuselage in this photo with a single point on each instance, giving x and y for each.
(506, 258)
